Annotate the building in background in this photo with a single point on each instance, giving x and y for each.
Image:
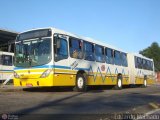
(7, 44)
(7, 39)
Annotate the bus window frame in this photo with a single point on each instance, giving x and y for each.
(110, 57)
(122, 63)
(139, 63)
(93, 50)
(117, 59)
(55, 48)
(103, 53)
(81, 50)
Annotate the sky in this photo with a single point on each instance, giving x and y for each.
(131, 25)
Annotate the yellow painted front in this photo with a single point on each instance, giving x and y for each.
(48, 81)
(57, 79)
(28, 73)
(32, 77)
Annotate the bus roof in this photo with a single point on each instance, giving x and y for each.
(79, 37)
(87, 39)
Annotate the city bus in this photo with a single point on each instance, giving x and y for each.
(53, 57)
(6, 65)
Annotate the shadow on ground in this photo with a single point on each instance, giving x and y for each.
(94, 89)
(80, 107)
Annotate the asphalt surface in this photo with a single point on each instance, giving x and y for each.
(63, 103)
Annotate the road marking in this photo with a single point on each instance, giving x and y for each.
(153, 111)
(153, 105)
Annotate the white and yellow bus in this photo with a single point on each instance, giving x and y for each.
(52, 57)
(6, 65)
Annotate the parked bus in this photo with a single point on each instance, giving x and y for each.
(6, 65)
(52, 57)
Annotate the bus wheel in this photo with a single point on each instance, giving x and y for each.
(119, 83)
(81, 83)
(144, 83)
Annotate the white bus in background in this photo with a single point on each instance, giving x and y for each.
(6, 65)
(141, 69)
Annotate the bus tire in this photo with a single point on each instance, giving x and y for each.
(144, 83)
(80, 85)
(119, 83)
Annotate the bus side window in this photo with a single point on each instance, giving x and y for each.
(99, 53)
(139, 63)
(75, 48)
(124, 59)
(60, 48)
(143, 63)
(148, 65)
(151, 65)
(88, 51)
(136, 63)
(117, 57)
(109, 56)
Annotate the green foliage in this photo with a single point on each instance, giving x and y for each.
(153, 52)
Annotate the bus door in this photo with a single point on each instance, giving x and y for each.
(61, 61)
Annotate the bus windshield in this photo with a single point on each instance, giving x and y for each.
(33, 52)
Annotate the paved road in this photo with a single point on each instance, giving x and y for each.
(50, 101)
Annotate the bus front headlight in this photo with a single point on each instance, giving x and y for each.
(46, 73)
(16, 75)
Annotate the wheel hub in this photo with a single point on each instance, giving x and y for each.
(80, 82)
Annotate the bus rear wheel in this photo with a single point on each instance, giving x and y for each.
(119, 83)
(81, 83)
(144, 83)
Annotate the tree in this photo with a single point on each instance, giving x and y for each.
(153, 52)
